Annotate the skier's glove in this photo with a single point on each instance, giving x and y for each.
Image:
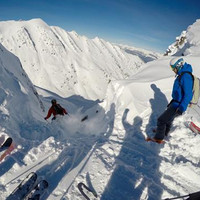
(179, 112)
(45, 118)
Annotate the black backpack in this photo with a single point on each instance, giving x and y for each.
(58, 109)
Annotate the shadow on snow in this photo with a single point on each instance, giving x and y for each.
(35, 133)
(137, 175)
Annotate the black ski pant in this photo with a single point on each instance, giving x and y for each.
(164, 122)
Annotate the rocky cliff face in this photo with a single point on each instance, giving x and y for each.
(188, 43)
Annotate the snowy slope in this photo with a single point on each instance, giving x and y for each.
(107, 151)
(17, 91)
(37, 141)
(127, 167)
(65, 62)
(188, 43)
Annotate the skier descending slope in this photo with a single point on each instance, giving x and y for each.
(55, 109)
(181, 96)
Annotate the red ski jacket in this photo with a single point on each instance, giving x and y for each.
(53, 111)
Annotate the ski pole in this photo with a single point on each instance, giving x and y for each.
(177, 197)
(195, 195)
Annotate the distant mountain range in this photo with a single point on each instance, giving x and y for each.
(67, 63)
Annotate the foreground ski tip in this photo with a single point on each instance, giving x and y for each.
(148, 139)
(6, 144)
(7, 151)
(24, 188)
(193, 127)
(38, 191)
(6, 148)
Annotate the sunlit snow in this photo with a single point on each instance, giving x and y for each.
(107, 151)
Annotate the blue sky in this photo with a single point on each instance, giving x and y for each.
(150, 24)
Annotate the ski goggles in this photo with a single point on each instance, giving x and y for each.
(173, 67)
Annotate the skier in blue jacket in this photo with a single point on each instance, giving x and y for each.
(181, 96)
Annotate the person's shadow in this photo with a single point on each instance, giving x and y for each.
(158, 105)
(136, 175)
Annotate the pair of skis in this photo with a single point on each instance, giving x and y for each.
(29, 189)
(7, 146)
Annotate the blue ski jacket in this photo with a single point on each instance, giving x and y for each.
(182, 89)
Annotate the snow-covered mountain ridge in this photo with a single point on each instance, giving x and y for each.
(19, 99)
(188, 43)
(65, 62)
(145, 55)
(13, 73)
